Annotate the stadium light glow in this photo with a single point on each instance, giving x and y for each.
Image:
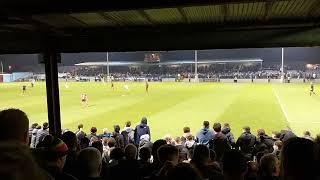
(309, 66)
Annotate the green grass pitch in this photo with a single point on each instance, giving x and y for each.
(171, 106)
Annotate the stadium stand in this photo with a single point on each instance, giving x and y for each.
(252, 157)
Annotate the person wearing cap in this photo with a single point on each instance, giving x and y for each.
(141, 129)
(42, 133)
(53, 154)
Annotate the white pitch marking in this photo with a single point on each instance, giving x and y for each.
(281, 106)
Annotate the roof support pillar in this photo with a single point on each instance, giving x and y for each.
(51, 60)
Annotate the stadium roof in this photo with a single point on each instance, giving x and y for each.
(119, 25)
(123, 63)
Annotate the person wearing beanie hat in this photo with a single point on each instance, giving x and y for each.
(54, 153)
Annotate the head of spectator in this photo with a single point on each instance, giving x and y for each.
(276, 135)
(55, 154)
(38, 127)
(178, 141)
(298, 159)
(112, 143)
(201, 155)
(14, 125)
(80, 127)
(186, 131)
(34, 125)
(277, 145)
(183, 171)
(17, 163)
(206, 124)
(226, 125)
(98, 145)
(116, 128)
(168, 139)
(90, 163)
(317, 139)
(84, 142)
(70, 139)
(168, 153)
(217, 127)
(106, 133)
(128, 124)
(145, 154)
(234, 165)
(45, 126)
(261, 132)
(93, 130)
(130, 152)
(307, 135)
(252, 170)
(116, 154)
(246, 129)
(144, 120)
(269, 166)
(156, 145)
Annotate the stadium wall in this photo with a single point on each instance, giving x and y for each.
(14, 76)
(20, 75)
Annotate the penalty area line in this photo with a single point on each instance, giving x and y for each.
(281, 106)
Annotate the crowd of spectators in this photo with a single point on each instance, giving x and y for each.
(129, 153)
(209, 71)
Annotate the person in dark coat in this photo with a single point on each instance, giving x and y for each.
(286, 135)
(118, 137)
(264, 142)
(183, 151)
(219, 142)
(246, 143)
(226, 130)
(141, 129)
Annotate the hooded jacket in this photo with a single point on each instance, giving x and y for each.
(204, 135)
(140, 130)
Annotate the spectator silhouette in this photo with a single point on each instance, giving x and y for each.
(299, 159)
(226, 130)
(269, 167)
(219, 142)
(246, 143)
(93, 133)
(128, 134)
(183, 152)
(183, 171)
(264, 143)
(118, 137)
(204, 135)
(234, 165)
(54, 157)
(200, 160)
(168, 157)
(42, 133)
(89, 164)
(14, 125)
(156, 145)
(17, 163)
(141, 129)
(71, 141)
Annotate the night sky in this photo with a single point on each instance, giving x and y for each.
(305, 55)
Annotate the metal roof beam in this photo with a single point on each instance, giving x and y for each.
(32, 7)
